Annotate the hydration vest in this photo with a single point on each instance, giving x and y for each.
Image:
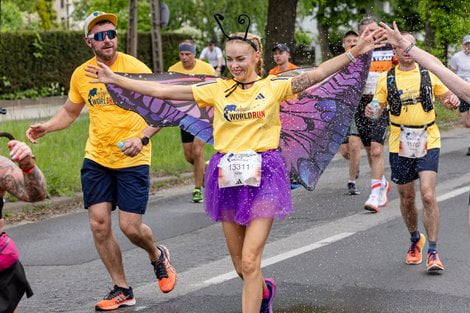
(425, 92)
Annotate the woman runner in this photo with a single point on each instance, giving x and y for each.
(246, 137)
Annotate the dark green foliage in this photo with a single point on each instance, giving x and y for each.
(38, 59)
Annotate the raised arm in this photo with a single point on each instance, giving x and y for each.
(460, 87)
(329, 67)
(25, 181)
(103, 74)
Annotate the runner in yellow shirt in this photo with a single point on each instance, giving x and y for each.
(409, 90)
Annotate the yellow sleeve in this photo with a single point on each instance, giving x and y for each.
(381, 88)
(281, 87)
(438, 87)
(74, 94)
(205, 93)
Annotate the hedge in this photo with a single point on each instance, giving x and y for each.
(38, 59)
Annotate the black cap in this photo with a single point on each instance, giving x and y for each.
(349, 33)
(281, 47)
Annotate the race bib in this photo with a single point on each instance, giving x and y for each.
(240, 169)
(413, 142)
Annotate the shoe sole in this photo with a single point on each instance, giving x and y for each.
(114, 307)
(386, 195)
(371, 208)
(414, 263)
(167, 254)
(435, 269)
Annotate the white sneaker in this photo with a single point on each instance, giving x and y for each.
(383, 195)
(372, 204)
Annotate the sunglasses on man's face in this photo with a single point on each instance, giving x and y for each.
(100, 36)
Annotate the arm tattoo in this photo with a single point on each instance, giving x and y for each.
(25, 187)
(301, 82)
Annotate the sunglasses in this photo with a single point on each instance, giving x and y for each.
(100, 36)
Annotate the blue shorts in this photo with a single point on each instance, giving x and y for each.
(127, 188)
(405, 170)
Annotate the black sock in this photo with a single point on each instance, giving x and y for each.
(415, 236)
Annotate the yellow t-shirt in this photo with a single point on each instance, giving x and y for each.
(109, 124)
(201, 68)
(248, 118)
(408, 85)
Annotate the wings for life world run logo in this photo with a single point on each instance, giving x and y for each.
(232, 113)
(98, 97)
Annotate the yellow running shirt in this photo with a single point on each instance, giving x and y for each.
(109, 124)
(408, 85)
(248, 118)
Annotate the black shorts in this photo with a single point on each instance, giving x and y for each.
(127, 188)
(406, 170)
(186, 137)
(464, 106)
(370, 130)
(13, 285)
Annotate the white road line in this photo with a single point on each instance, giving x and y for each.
(221, 270)
(281, 257)
(452, 194)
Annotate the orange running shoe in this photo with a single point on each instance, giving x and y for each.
(165, 272)
(415, 254)
(116, 298)
(433, 264)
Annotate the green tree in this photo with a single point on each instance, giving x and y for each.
(445, 23)
(334, 17)
(46, 13)
(10, 16)
(196, 14)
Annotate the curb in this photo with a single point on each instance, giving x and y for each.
(156, 183)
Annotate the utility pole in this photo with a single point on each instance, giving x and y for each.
(131, 46)
(157, 55)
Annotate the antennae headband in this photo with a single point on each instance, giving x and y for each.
(242, 19)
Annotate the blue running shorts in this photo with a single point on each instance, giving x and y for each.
(126, 188)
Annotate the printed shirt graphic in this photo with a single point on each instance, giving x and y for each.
(201, 68)
(248, 118)
(408, 85)
(109, 124)
(381, 62)
(277, 69)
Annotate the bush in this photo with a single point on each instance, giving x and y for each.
(35, 60)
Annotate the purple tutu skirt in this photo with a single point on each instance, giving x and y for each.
(272, 199)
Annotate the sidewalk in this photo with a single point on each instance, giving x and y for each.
(77, 199)
(37, 110)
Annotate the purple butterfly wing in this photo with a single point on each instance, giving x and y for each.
(156, 112)
(315, 124)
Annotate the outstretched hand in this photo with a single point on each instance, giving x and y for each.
(394, 36)
(100, 74)
(21, 153)
(371, 41)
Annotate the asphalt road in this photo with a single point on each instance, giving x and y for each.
(329, 256)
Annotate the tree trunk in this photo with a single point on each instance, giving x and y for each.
(131, 47)
(323, 28)
(280, 28)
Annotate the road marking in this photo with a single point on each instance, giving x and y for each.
(221, 270)
(281, 257)
(452, 194)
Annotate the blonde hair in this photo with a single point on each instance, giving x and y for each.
(256, 40)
